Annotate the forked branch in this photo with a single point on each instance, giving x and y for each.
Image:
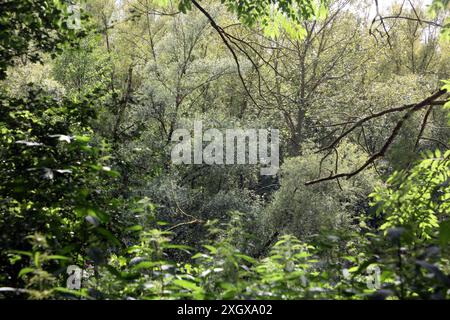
(410, 109)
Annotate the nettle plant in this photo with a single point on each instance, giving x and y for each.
(50, 169)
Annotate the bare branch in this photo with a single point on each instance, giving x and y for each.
(422, 127)
(428, 101)
(411, 109)
(184, 224)
(221, 33)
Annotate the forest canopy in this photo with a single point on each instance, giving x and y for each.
(347, 102)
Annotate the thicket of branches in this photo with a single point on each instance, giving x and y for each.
(360, 208)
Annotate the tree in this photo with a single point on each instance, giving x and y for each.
(29, 28)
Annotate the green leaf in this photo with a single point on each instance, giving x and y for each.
(25, 253)
(134, 228)
(212, 249)
(187, 285)
(444, 232)
(79, 293)
(178, 246)
(57, 257)
(145, 265)
(25, 271)
(109, 236)
(245, 257)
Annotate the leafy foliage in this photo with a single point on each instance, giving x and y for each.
(30, 27)
(49, 169)
(86, 177)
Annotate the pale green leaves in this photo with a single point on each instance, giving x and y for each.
(274, 17)
(417, 200)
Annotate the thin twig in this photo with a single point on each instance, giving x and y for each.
(221, 33)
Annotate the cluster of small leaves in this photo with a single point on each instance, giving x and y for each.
(251, 12)
(272, 15)
(48, 172)
(442, 6)
(414, 248)
(40, 283)
(30, 27)
(418, 198)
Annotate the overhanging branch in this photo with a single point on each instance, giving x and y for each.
(223, 36)
(430, 101)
